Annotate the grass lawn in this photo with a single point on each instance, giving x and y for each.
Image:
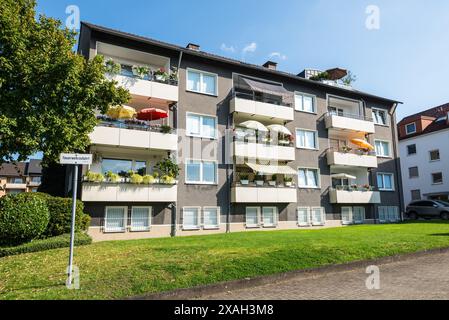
(120, 269)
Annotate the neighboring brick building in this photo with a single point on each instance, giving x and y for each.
(20, 177)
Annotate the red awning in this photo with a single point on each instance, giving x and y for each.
(152, 114)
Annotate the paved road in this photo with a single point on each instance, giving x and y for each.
(416, 278)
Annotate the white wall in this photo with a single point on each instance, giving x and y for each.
(424, 144)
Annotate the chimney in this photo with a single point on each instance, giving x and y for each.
(193, 46)
(270, 65)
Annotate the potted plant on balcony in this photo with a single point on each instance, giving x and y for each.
(156, 177)
(366, 187)
(136, 178)
(161, 74)
(168, 179)
(244, 179)
(259, 180)
(354, 187)
(173, 74)
(112, 177)
(288, 181)
(148, 179)
(94, 177)
(273, 180)
(346, 149)
(168, 168)
(141, 71)
(112, 68)
(165, 129)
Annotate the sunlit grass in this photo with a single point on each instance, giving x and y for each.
(122, 269)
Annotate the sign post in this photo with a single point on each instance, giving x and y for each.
(75, 160)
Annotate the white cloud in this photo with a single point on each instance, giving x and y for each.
(250, 48)
(278, 55)
(225, 48)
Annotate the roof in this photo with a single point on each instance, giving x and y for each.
(35, 167)
(13, 170)
(431, 114)
(226, 60)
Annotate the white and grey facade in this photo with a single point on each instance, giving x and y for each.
(423, 145)
(314, 178)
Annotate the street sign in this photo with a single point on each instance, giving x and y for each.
(74, 158)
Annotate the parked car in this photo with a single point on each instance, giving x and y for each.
(429, 209)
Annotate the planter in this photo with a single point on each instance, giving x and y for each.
(244, 182)
(259, 183)
(272, 183)
(289, 184)
(160, 78)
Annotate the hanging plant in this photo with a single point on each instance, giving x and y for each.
(141, 71)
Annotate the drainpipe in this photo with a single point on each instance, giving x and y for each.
(397, 159)
(173, 206)
(228, 175)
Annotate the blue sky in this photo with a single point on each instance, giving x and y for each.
(405, 59)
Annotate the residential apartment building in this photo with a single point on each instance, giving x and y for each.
(258, 148)
(423, 145)
(20, 177)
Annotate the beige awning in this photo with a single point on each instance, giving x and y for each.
(267, 170)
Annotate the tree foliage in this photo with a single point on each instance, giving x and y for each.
(48, 93)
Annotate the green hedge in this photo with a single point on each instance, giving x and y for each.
(62, 241)
(61, 215)
(23, 217)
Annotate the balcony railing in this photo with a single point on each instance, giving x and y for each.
(348, 115)
(139, 125)
(249, 136)
(126, 71)
(258, 98)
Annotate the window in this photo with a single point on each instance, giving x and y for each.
(120, 167)
(305, 103)
(140, 218)
(336, 111)
(306, 139)
(201, 126)
(410, 128)
(308, 178)
(382, 148)
(211, 217)
(252, 217)
(36, 179)
(435, 155)
(202, 82)
(140, 167)
(201, 172)
(269, 216)
(317, 216)
(190, 218)
(115, 219)
(388, 214)
(413, 172)
(411, 149)
(352, 215)
(16, 181)
(437, 178)
(303, 216)
(416, 195)
(380, 116)
(385, 181)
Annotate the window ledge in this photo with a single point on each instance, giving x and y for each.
(307, 112)
(203, 93)
(191, 228)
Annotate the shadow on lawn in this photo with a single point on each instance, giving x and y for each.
(440, 235)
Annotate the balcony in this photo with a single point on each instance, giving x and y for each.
(351, 159)
(122, 192)
(356, 196)
(349, 122)
(16, 186)
(119, 134)
(263, 110)
(254, 150)
(252, 194)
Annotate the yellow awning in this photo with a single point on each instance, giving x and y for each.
(267, 170)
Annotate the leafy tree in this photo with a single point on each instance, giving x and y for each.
(48, 93)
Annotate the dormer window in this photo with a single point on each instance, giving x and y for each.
(410, 128)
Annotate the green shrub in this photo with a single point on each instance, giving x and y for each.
(23, 217)
(62, 241)
(60, 210)
(148, 179)
(136, 178)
